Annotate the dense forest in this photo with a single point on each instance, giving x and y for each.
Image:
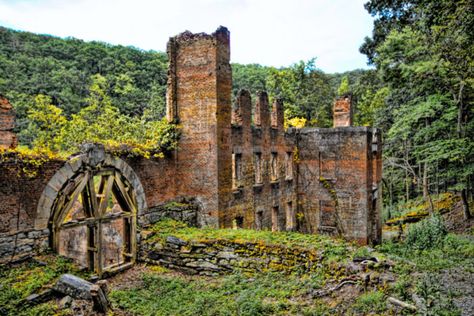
(419, 93)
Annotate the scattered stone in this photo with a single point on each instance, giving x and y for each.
(35, 299)
(402, 304)
(146, 234)
(65, 302)
(78, 288)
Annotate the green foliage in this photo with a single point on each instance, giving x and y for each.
(331, 246)
(98, 122)
(252, 77)
(18, 282)
(306, 92)
(371, 302)
(453, 251)
(437, 302)
(423, 51)
(344, 87)
(236, 294)
(429, 233)
(33, 64)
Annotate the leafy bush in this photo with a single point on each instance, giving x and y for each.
(99, 122)
(427, 234)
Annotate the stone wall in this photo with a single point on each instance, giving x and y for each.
(221, 256)
(7, 124)
(182, 210)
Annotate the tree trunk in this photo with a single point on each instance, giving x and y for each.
(465, 204)
(426, 192)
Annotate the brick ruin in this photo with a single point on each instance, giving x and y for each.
(7, 123)
(235, 162)
(342, 111)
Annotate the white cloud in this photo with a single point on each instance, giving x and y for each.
(269, 32)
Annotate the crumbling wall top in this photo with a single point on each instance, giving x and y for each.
(188, 36)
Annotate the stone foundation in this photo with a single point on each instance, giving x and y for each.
(222, 256)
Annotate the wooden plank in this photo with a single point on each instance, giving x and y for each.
(124, 193)
(108, 191)
(93, 198)
(61, 215)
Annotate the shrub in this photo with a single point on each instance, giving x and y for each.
(427, 234)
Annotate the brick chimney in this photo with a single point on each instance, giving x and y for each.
(7, 123)
(342, 111)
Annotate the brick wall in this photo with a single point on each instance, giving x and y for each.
(256, 197)
(7, 123)
(336, 181)
(342, 111)
(199, 97)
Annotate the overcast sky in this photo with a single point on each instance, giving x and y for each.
(268, 32)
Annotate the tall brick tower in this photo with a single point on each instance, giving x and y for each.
(199, 98)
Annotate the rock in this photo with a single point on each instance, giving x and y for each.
(202, 265)
(35, 299)
(176, 241)
(387, 278)
(73, 286)
(354, 268)
(78, 288)
(65, 302)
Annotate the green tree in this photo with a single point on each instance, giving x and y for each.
(306, 92)
(45, 124)
(423, 51)
(344, 86)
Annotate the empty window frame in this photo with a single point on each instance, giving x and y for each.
(258, 168)
(237, 173)
(275, 226)
(259, 220)
(290, 216)
(274, 167)
(238, 222)
(289, 166)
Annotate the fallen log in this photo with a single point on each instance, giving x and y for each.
(402, 304)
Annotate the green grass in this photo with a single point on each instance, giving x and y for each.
(20, 281)
(371, 302)
(454, 251)
(332, 247)
(235, 294)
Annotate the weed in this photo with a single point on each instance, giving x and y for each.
(429, 233)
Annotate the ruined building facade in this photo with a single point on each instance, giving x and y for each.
(235, 162)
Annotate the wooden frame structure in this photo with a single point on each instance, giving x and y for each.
(94, 220)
